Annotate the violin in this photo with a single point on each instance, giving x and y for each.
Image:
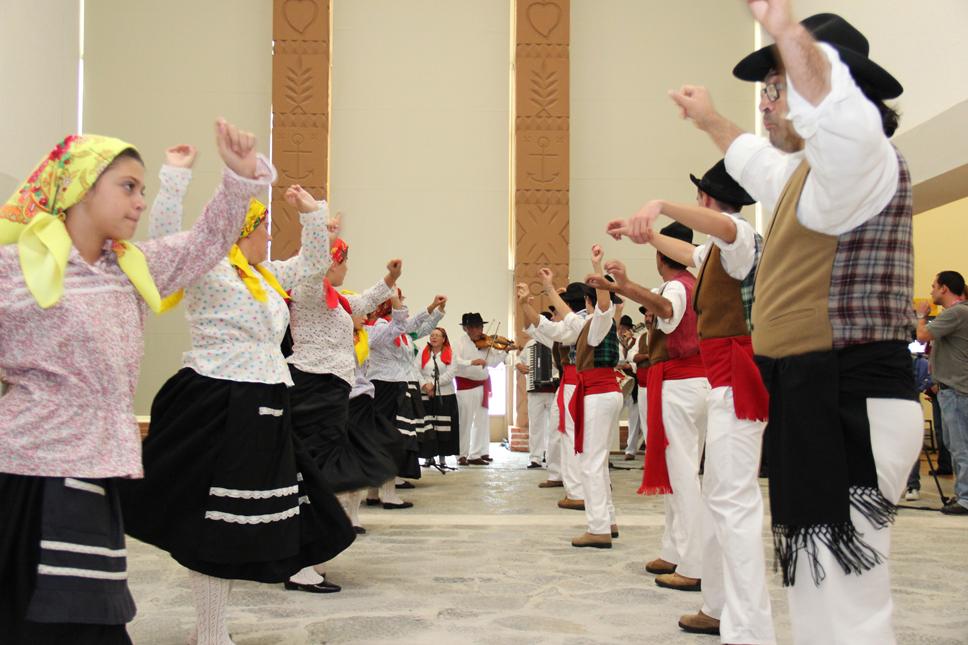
(495, 342)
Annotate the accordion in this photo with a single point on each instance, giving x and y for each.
(541, 377)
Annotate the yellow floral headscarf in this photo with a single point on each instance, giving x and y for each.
(361, 340)
(253, 219)
(33, 218)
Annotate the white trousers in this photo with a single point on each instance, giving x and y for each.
(733, 568)
(570, 465)
(636, 421)
(600, 416)
(643, 416)
(684, 417)
(856, 609)
(555, 443)
(539, 420)
(475, 431)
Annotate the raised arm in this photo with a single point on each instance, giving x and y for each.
(175, 261)
(370, 299)
(314, 256)
(661, 307)
(167, 210)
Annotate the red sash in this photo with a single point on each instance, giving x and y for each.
(655, 478)
(598, 380)
(570, 377)
(469, 384)
(729, 363)
(642, 375)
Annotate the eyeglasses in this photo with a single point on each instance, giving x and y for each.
(772, 91)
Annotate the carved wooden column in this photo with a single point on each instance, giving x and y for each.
(541, 159)
(300, 110)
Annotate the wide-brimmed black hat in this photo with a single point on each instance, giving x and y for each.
(850, 43)
(678, 231)
(718, 184)
(472, 320)
(575, 294)
(642, 310)
(626, 321)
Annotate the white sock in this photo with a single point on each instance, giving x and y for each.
(211, 601)
(373, 493)
(306, 576)
(398, 481)
(350, 501)
(388, 493)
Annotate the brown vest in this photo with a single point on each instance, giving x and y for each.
(790, 310)
(718, 301)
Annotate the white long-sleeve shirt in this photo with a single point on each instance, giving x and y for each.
(853, 166)
(675, 293)
(362, 383)
(394, 363)
(737, 258)
(445, 378)
(601, 323)
(323, 337)
(234, 336)
(465, 351)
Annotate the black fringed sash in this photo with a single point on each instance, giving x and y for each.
(821, 461)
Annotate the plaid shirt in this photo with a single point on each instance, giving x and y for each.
(872, 284)
(746, 286)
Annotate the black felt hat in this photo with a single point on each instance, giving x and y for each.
(850, 43)
(718, 184)
(575, 294)
(626, 321)
(472, 320)
(678, 231)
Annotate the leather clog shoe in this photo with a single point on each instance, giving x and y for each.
(699, 624)
(571, 504)
(614, 529)
(677, 582)
(594, 540)
(551, 483)
(660, 566)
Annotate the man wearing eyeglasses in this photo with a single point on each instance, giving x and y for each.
(832, 313)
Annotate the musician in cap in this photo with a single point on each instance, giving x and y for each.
(832, 315)
(473, 355)
(736, 604)
(535, 363)
(677, 391)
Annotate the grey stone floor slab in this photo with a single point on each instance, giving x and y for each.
(484, 558)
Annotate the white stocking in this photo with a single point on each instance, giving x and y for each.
(306, 576)
(388, 493)
(211, 601)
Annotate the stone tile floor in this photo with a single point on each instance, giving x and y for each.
(484, 558)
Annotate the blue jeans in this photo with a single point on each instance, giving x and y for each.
(954, 411)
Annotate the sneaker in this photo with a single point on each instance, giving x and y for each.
(912, 495)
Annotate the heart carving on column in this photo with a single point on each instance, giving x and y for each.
(544, 17)
(300, 13)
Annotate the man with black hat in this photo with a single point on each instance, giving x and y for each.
(676, 419)
(474, 390)
(833, 315)
(736, 604)
(596, 403)
(569, 307)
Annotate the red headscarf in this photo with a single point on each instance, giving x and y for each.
(339, 251)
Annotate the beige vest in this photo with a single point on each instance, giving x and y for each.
(718, 301)
(790, 299)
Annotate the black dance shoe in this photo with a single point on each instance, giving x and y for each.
(372, 502)
(359, 530)
(389, 506)
(405, 485)
(320, 587)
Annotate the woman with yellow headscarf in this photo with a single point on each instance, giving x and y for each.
(221, 455)
(74, 294)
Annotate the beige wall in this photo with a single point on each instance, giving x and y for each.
(419, 147)
(39, 107)
(939, 244)
(628, 144)
(921, 43)
(159, 73)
